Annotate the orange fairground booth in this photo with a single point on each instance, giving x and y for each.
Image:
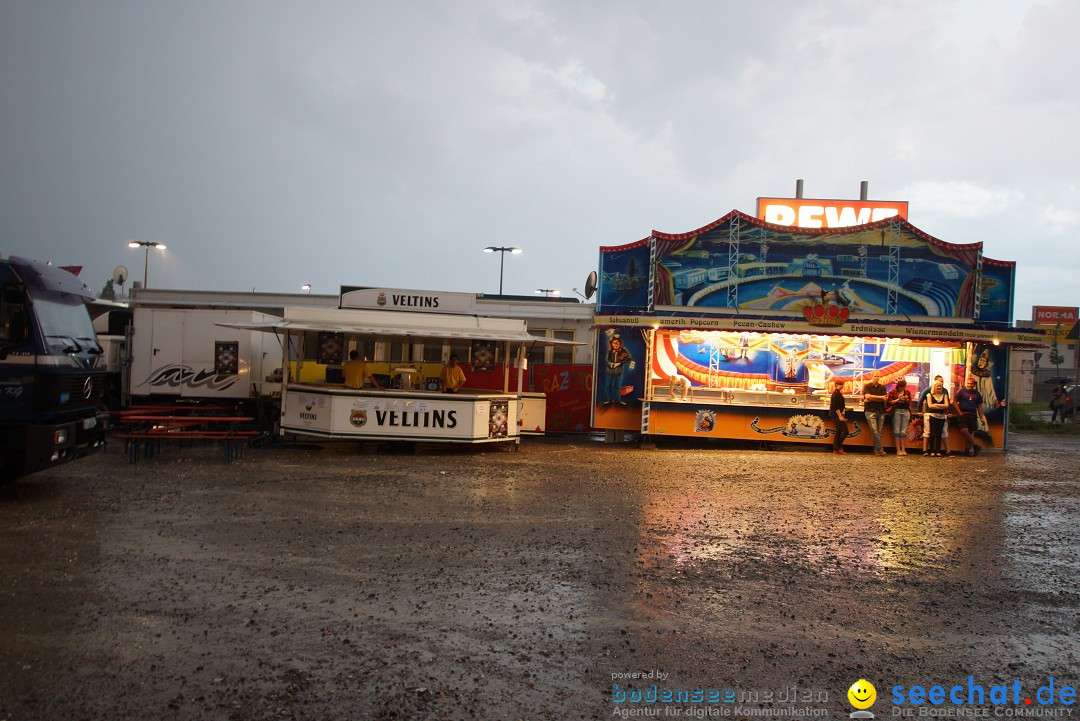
(735, 330)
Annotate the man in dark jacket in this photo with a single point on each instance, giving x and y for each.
(970, 404)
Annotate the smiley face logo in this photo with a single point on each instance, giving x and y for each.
(862, 694)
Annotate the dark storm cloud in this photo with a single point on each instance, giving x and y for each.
(271, 144)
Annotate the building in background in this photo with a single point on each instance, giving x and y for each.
(1034, 372)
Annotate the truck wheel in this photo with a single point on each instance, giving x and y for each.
(10, 469)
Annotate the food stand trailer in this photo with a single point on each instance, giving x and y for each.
(321, 405)
(733, 330)
(560, 374)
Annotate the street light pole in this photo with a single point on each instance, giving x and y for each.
(146, 245)
(502, 250)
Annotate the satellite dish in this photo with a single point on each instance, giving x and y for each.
(120, 275)
(590, 285)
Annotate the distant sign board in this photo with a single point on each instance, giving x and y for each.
(1054, 314)
(818, 213)
(427, 301)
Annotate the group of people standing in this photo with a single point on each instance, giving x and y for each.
(934, 404)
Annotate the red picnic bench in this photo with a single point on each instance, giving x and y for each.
(145, 432)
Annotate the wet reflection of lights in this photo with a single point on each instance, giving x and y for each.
(917, 533)
(824, 531)
(1039, 538)
(714, 530)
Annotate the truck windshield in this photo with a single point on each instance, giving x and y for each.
(61, 323)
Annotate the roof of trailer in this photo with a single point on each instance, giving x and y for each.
(399, 324)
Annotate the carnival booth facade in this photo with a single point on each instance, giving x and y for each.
(736, 329)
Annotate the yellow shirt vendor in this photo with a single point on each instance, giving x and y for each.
(357, 373)
(452, 376)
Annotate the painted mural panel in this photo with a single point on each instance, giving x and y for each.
(717, 361)
(999, 277)
(568, 389)
(887, 268)
(619, 382)
(623, 281)
(989, 365)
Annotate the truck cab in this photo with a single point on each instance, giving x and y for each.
(52, 377)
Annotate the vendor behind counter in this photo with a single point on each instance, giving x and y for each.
(358, 373)
(380, 375)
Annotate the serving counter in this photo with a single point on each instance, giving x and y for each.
(333, 411)
(776, 399)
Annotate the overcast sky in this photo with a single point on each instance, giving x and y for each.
(272, 144)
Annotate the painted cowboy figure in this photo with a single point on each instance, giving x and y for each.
(615, 361)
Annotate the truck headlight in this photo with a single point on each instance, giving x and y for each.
(60, 437)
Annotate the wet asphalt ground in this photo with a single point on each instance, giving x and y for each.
(485, 583)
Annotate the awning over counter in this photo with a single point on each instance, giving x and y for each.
(897, 351)
(398, 324)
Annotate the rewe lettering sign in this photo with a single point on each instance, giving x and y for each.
(817, 213)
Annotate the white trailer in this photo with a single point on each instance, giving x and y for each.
(113, 327)
(185, 354)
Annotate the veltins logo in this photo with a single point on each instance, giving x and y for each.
(381, 299)
(862, 695)
(358, 418)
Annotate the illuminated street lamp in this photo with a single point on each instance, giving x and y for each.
(503, 250)
(548, 292)
(146, 245)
